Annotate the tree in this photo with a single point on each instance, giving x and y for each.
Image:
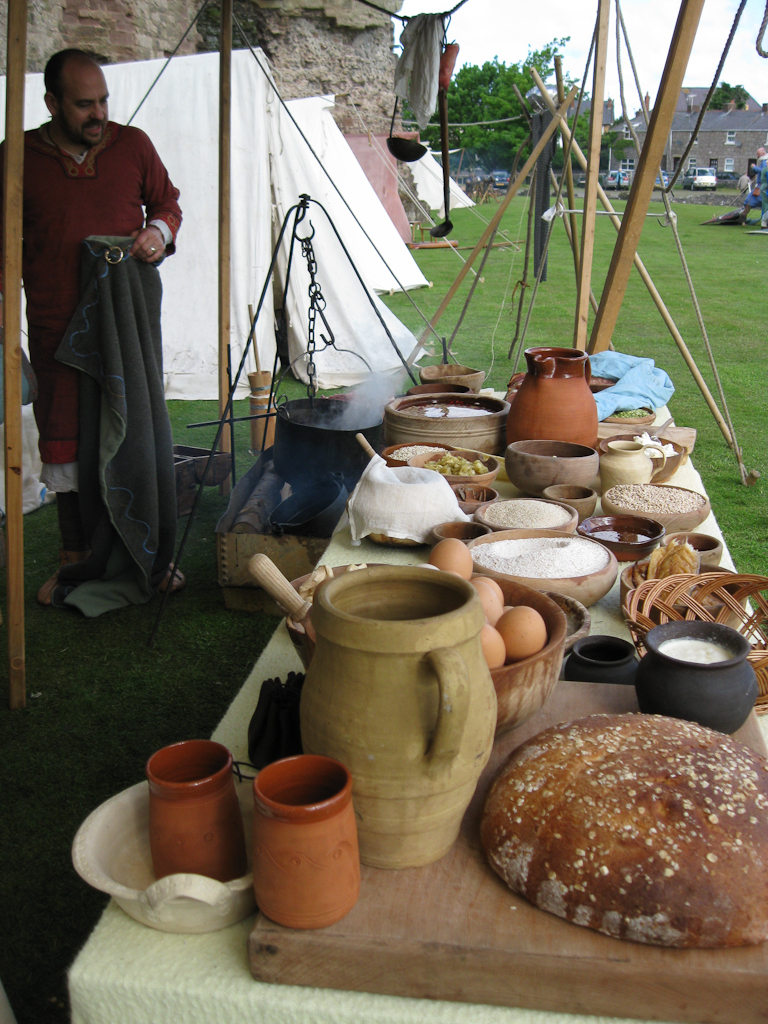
(724, 93)
(486, 94)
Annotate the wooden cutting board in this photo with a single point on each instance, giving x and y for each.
(454, 931)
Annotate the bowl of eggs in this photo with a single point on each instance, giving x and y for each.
(523, 638)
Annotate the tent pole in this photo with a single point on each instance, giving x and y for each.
(13, 190)
(645, 277)
(593, 171)
(647, 169)
(573, 234)
(496, 220)
(225, 160)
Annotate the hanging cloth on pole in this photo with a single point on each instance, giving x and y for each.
(416, 74)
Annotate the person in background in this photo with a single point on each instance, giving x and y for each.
(83, 175)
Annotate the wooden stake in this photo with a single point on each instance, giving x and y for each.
(13, 192)
(496, 219)
(646, 278)
(573, 234)
(574, 243)
(593, 171)
(647, 169)
(225, 123)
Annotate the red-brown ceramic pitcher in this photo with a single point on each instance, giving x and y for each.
(195, 821)
(554, 402)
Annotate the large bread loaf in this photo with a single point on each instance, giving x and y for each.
(641, 827)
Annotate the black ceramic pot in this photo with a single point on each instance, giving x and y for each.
(719, 695)
(602, 659)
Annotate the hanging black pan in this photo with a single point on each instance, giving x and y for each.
(407, 150)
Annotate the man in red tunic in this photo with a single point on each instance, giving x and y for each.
(83, 175)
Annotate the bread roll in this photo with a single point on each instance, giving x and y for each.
(639, 826)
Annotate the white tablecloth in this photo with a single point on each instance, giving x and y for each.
(132, 974)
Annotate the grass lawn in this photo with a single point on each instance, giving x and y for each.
(100, 701)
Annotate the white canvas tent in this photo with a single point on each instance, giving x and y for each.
(271, 166)
(428, 178)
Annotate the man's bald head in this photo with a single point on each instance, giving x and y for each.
(53, 74)
(76, 96)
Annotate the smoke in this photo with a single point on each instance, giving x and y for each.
(363, 406)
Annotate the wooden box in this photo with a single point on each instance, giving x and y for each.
(293, 555)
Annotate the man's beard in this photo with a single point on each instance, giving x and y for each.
(78, 135)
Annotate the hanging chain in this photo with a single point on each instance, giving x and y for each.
(316, 307)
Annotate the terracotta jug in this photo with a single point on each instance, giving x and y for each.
(195, 821)
(553, 402)
(625, 462)
(306, 865)
(398, 691)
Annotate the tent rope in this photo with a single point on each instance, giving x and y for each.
(746, 478)
(761, 34)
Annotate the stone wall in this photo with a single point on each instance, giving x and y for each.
(315, 46)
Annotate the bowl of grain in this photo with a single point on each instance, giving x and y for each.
(533, 465)
(528, 514)
(523, 687)
(547, 560)
(398, 454)
(460, 465)
(677, 508)
(583, 499)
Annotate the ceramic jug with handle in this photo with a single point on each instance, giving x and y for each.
(398, 690)
(553, 402)
(626, 462)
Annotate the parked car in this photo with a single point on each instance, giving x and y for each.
(617, 179)
(662, 180)
(729, 178)
(500, 178)
(699, 178)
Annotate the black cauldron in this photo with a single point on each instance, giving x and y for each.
(315, 438)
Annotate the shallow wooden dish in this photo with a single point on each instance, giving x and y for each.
(635, 536)
(569, 526)
(586, 589)
(533, 465)
(710, 548)
(577, 618)
(492, 463)
(673, 522)
(524, 686)
(672, 464)
(648, 417)
(472, 496)
(459, 531)
(583, 499)
(390, 450)
(452, 373)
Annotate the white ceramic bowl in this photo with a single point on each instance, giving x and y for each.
(111, 853)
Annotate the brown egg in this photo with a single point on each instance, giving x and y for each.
(491, 604)
(494, 651)
(490, 583)
(523, 631)
(452, 555)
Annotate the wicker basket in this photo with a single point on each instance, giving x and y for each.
(741, 600)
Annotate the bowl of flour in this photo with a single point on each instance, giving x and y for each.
(544, 560)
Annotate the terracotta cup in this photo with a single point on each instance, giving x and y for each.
(306, 865)
(195, 821)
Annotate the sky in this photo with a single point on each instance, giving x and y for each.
(485, 29)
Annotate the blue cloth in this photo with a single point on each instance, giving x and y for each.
(639, 383)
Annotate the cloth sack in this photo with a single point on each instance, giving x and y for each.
(404, 503)
(639, 383)
(274, 730)
(417, 70)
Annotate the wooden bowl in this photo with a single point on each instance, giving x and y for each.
(388, 452)
(583, 499)
(588, 588)
(647, 417)
(491, 462)
(472, 496)
(438, 388)
(577, 618)
(533, 465)
(630, 538)
(460, 531)
(523, 687)
(671, 521)
(523, 504)
(672, 464)
(710, 548)
(452, 373)
(597, 384)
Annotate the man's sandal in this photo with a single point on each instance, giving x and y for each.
(65, 558)
(179, 581)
